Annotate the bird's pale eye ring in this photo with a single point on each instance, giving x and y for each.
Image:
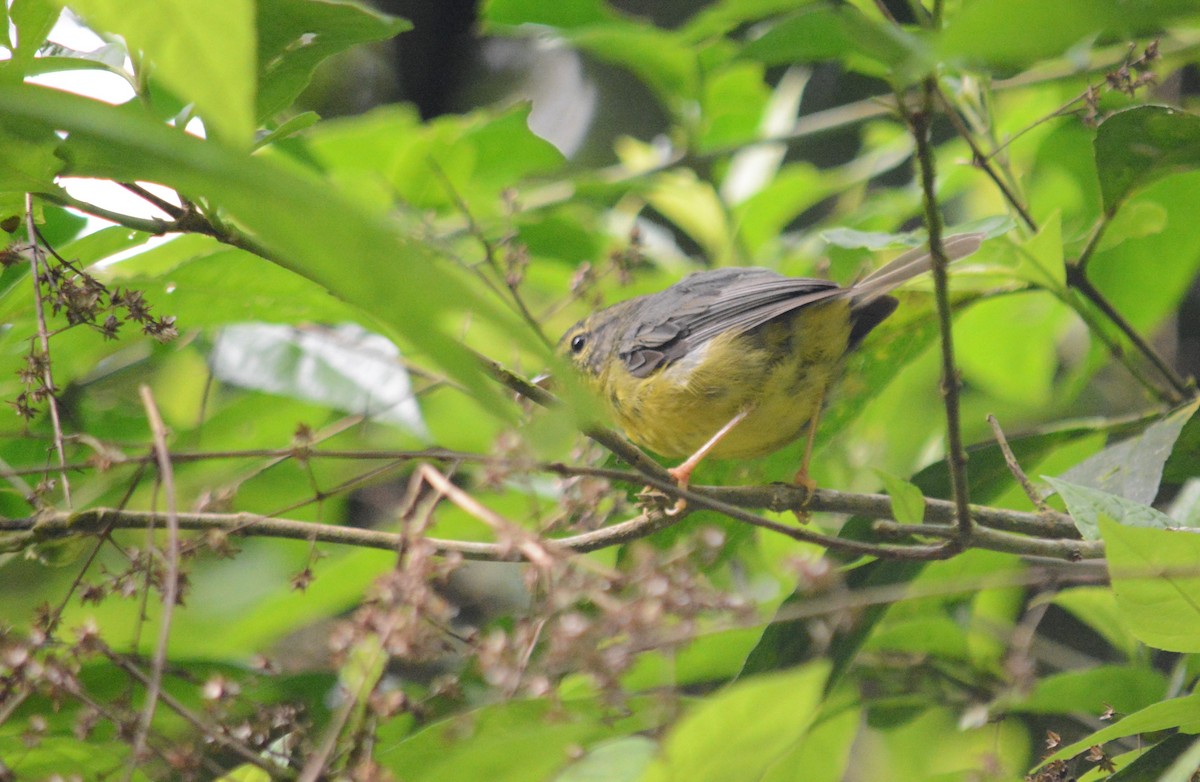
(577, 343)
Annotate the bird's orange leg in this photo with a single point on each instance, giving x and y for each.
(683, 473)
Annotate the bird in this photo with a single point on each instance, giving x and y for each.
(733, 363)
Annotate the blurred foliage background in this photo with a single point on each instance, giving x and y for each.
(370, 197)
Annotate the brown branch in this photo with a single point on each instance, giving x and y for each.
(956, 455)
(1055, 530)
(982, 161)
(1179, 389)
(992, 540)
(1014, 467)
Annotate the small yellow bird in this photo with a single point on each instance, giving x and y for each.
(734, 362)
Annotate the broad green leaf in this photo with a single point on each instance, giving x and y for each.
(513, 741)
(827, 32)
(1141, 144)
(660, 58)
(1087, 505)
(663, 59)
(825, 753)
(1125, 688)
(1097, 608)
(908, 504)
(1020, 32)
(182, 39)
(938, 636)
(734, 104)
(1174, 759)
(33, 19)
(1008, 346)
(295, 36)
(1173, 713)
(1156, 578)
(1146, 278)
(741, 732)
(1041, 256)
(28, 164)
(1184, 462)
(441, 165)
(206, 287)
(356, 255)
(567, 15)
(719, 17)
(693, 206)
(1133, 467)
(619, 760)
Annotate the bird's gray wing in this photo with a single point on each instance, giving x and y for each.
(669, 324)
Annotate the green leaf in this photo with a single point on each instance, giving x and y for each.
(1087, 505)
(1019, 32)
(1136, 146)
(1097, 608)
(908, 503)
(295, 36)
(564, 15)
(1125, 688)
(513, 741)
(839, 32)
(1010, 346)
(619, 760)
(1173, 713)
(1041, 256)
(740, 732)
(1174, 759)
(28, 164)
(1133, 468)
(824, 755)
(357, 255)
(202, 51)
(34, 19)
(1157, 583)
(695, 208)
(660, 58)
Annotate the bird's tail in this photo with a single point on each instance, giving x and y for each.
(910, 264)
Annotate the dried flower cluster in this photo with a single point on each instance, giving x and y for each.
(78, 298)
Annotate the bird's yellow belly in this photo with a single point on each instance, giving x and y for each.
(777, 373)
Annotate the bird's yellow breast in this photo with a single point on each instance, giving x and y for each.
(778, 372)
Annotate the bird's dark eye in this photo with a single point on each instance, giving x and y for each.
(577, 343)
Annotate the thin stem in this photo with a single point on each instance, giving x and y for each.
(1014, 467)
(956, 456)
(982, 161)
(1179, 388)
(174, 210)
(35, 255)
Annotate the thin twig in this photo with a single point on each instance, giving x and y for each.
(489, 252)
(1179, 388)
(1014, 467)
(532, 549)
(956, 455)
(215, 733)
(173, 210)
(983, 162)
(44, 340)
(170, 588)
